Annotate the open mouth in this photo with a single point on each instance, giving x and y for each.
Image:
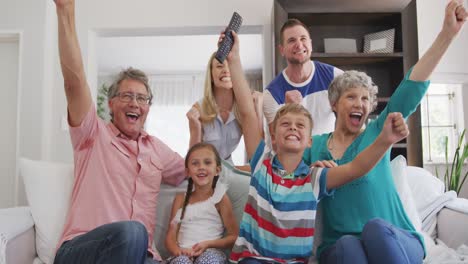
(300, 52)
(202, 175)
(292, 137)
(355, 118)
(132, 117)
(226, 79)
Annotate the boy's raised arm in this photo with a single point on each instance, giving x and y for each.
(250, 126)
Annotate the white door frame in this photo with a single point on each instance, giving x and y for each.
(17, 36)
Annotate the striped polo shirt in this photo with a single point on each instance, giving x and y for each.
(279, 216)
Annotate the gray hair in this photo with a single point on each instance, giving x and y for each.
(352, 79)
(129, 74)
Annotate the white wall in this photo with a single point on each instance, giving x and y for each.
(28, 17)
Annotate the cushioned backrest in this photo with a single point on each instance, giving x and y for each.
(399, 172)
(425, 186)
(48, 188)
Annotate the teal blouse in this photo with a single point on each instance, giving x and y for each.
(374, 194)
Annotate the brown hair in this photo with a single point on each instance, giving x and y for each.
(295, 109)
(292, 22)
(195, 147)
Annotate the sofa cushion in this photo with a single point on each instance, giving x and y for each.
(426, 187)
(400, 177)
(48, 188)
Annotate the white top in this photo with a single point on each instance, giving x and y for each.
(201, 221)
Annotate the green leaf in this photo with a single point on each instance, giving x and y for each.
(453, 177)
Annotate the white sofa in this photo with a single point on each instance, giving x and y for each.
(29, 234)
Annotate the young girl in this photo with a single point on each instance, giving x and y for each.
(201, 215)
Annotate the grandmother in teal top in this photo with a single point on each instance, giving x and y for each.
(364, 222)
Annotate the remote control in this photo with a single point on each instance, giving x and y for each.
(226, 45)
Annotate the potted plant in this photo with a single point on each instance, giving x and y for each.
(453, 177)
(101, 102)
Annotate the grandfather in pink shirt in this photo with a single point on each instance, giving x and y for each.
(118, 166)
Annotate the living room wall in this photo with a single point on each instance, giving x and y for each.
(28, 17)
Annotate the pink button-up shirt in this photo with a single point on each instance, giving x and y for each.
(117, 179)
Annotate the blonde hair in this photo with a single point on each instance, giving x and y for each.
(209, 108)
(295, 109)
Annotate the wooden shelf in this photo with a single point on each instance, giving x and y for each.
(386, 69)
(374, 20)
(342, 59)
(383, 99)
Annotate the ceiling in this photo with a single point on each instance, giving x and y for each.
(171, 54)
(337, 6)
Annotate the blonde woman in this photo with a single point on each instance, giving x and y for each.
(215, 118)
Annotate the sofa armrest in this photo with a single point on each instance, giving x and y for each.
(452, 223)
(17, 235)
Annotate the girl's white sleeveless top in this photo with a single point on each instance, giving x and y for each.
(201, 221)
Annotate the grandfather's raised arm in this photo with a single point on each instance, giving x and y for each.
(76, 86)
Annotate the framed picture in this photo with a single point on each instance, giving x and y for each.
(380, 42)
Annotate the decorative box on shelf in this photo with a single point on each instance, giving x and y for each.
(340, 45)
(380, 42)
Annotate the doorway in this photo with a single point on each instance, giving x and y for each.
(9, 52)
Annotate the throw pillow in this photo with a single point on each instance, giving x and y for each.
(398, 165)
(48, 188)
(425, 186)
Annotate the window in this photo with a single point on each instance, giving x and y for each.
(441, 116)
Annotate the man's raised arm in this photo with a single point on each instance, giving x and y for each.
(76, 86)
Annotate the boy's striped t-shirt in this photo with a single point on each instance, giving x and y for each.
(279, 216)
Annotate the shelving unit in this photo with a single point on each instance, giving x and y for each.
(386, 69)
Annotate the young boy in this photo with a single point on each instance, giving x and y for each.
(278, 221)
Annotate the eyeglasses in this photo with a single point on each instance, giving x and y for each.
(128, 97)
